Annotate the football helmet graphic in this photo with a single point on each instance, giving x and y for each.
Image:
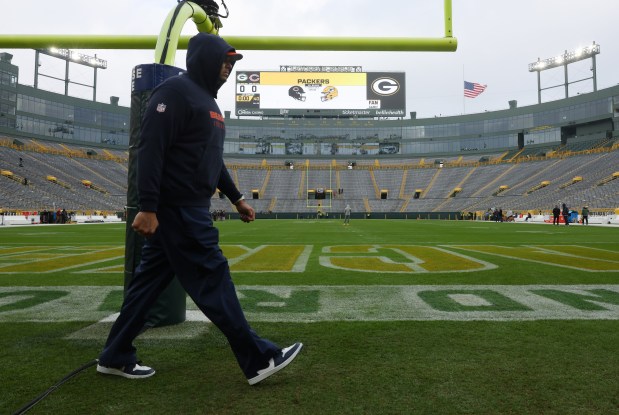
(328, 93)
(297, 93)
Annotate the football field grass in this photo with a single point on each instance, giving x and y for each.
(397, 317)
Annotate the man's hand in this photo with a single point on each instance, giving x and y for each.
(247, 212)
(145, 223)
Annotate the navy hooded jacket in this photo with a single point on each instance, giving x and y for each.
(180, 154)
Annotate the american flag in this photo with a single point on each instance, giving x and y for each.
(472, 89)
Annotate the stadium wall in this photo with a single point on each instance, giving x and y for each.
(34, 113)
(33, 118)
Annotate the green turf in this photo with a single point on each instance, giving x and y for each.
(348, 367)
(508, 236)
(376, 368)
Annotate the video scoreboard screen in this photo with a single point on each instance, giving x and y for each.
(363, 94)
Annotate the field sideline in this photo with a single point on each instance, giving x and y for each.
(398, 316)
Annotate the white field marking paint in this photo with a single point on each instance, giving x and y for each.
(301, 263)
(342, 303)
(190, 329)
(271, 304)
(248, 252)
(59, 256)
(571, 255)
(487, 265)
(191, 315)
(522, 258)
(283, 295)
(299, 266)
(415, 264)
(326, 262)
(389, 303)
(39, 233)
(85, 264)
(372, 249)
(470, 300)
(553, 252)
(587, 247)
(13, 299)
(25, 253)
(110, 319)
(103, 270)
(583, 255)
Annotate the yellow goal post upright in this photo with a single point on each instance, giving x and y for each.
(448, 43)
(170, 306)
(314, 203)
(170, 39)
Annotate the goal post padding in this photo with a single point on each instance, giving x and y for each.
(170, 307)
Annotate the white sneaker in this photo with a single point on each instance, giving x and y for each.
(277, 363)
(135, 371)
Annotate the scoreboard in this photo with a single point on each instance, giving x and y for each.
(365, 94)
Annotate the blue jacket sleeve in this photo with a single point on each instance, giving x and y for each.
(227, 186)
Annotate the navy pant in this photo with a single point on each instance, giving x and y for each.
(186, 245)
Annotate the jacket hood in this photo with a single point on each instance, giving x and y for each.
(205, 55)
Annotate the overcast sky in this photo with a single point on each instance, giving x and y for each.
(497, 39)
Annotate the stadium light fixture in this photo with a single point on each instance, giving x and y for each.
(77, 57)
(579, 54)
(565, 58)
(69, 56)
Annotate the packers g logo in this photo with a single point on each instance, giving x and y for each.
(385, 86)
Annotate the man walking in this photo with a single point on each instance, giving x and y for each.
(180, 165)
(347, 211)
(556, 212)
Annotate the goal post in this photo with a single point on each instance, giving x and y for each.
(188, 10)
(318, 194)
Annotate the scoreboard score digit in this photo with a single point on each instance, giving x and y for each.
(247, 89)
